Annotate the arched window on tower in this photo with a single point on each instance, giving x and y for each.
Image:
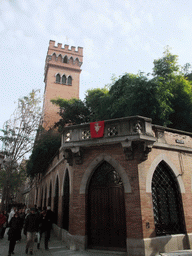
(167, 202)
(54, 57)
(77, 61)
(58, 78)
(64, 79)
(65, 60)
(71, 60)
(69, 82)
(59, 59)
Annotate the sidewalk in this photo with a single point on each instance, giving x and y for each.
(56, 248)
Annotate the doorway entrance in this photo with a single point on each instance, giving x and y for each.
(106, 210)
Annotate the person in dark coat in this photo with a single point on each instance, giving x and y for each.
(30, 228)
(47, 221)
(14, 232)
(2, 224)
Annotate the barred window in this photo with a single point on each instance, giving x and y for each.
(167, 203)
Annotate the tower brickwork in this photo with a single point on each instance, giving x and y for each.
(61, 77)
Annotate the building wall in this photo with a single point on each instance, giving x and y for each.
(137, 177)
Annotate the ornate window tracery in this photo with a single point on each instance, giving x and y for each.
(167, 203)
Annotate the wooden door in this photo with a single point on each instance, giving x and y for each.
(106, 210)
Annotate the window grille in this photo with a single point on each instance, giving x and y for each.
(167, 203)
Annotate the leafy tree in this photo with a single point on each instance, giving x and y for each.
(73, 111)
(166, 97)
(18, 138)
(166, 66)
(45, 148)
(98, 103)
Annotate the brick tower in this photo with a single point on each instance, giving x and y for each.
(61, 77)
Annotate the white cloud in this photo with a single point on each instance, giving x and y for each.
(104, 21)
(23, 4)
(184, 23)
(123, 25)
(2, 27)
(109, 44)
(89, 50)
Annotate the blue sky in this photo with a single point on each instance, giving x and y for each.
(118, 36)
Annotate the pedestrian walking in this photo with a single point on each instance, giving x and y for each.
(2, 224)
(49, 219)
(14, 232)
(30, 229)
(12, 213)
(46, 221)
(5, 225)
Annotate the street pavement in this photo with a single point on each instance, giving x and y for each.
(56, 248)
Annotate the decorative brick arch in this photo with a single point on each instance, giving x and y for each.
(89, 171)
(157, 160)
(63, 178)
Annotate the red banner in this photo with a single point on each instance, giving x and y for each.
(97, 129)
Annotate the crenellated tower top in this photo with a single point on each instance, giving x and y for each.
(61, 77)
(68, 58)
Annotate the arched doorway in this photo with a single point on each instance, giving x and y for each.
(56, 199)
(50, 194)
(41, 205)
(106, 225)
(45, 198)
(65, 204)
(167, 202)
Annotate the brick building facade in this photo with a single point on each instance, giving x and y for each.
(130, 190)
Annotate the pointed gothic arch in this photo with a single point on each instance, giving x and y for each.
(58, 78)
(106, 225)
(54, 57)
(56, 199)
(50, 194)
(36, 198)
(64, 79)
(167, 201)
(71, 60)
(91, 168)
(156, 161)
(41, 204)
(59, 58)
(65, 60)
(77, 61)
(65, 202)
(69, 80)
(45, 197)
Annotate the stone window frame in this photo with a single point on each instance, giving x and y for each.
(155, 163)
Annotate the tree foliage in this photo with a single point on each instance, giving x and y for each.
(18, 138)
(165, 96)
(45, 148)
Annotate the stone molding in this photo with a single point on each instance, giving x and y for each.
(156, 161)
(91, 168)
